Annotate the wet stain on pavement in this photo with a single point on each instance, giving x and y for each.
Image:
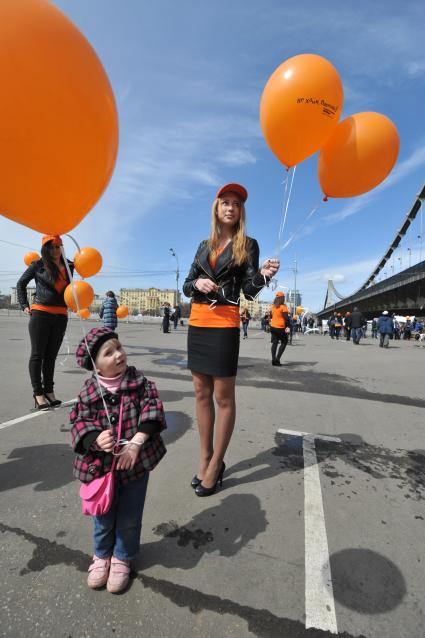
(184, 535)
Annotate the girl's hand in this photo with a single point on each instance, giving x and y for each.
(205, 285)
(128, 458)
(270, 267)
(27, 310)
(105, 441)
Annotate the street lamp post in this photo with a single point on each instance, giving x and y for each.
(295, 285)
(177, 275)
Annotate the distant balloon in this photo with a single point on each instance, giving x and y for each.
(84, 313)
(30, 257)
(87, 262)
(122, 312)
(84, 293)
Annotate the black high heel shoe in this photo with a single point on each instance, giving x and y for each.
(53, 403)
(200, 490)
(195, 482)
(40, 406)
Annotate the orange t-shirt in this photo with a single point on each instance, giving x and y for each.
(206, 316)
(278, 320)
(60, 285)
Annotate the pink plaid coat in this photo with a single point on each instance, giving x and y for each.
(141, 404)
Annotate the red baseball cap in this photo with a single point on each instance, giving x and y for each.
(233, 188)
(56, 239)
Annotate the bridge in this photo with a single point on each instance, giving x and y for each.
(402, 293)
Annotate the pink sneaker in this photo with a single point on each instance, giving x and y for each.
(98, 572)
(119, 575)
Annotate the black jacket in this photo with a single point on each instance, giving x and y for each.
(230, 278)
(357, 319)
(45, 292)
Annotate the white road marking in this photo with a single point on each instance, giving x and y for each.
(34, 414)
(319, 598)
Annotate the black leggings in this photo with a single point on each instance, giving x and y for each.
(46, 334)
(277, 336)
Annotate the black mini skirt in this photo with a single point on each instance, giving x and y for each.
(213, 351)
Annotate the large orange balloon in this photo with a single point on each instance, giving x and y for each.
(84, 292)
(359, 155)
(87, 262)
(84, 313)
(58, 119)
(122, 312)
(300, 106)
(30, 257)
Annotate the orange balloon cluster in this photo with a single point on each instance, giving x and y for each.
(87, 262)
(30, 257)
(58, 119)
(299, 112)
(300, 106)
(83, 292)
(122, 312)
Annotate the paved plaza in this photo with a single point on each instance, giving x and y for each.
(318, 528)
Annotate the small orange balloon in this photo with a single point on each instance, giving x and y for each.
(87, 262)
(84, 293)
(122, 312)
(300, 107)
(359, 155)
(30, 257)
(58, 119)
(84, 313)
(300, 310)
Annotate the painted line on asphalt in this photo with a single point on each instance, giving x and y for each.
(319, 599)
(33, 415)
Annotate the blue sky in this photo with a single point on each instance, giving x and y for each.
(188, 78)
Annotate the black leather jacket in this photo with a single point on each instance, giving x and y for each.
(230, 278)
(45, 292)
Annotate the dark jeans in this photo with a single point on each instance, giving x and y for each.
(166, 324)
(117, 533)
(357, 334)
(245, 329)
(46, 334)
(277, 337)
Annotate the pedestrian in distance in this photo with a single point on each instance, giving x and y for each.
(279, 328)
(385, 329)
(133, 400)
(347, 326)
(224, 265)
(374, 329)
(245, 318)
(48, 317)
(357, 322)
(166, 318)
(407, 332)
(176, 315)
(108, 311)
(338, 325)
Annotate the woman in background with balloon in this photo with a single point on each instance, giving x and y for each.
(48, 317)
(108, 311)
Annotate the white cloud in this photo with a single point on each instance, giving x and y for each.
(238, 158)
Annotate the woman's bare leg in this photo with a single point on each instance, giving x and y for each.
(205, 415)
(224, 394)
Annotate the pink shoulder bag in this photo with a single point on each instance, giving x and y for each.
(96, 496)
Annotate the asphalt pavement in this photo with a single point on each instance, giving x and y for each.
(318, 529)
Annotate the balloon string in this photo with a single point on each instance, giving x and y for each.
(301, 226)
(285, 207)
(74, 292)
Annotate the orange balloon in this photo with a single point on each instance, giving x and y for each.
(300, 310)
(84, 313)
(58, 119)
(87, 262)
(300, 107)
(84, 292)
(122, 312)
(30, 257)
(359, 155)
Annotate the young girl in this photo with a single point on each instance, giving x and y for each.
(116, 533)
(279, 327)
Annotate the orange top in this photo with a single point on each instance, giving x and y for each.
(205, 316)
(278, 320)
(60, 285)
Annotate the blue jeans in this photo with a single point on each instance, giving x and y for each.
(118, 532)
(357, 334)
